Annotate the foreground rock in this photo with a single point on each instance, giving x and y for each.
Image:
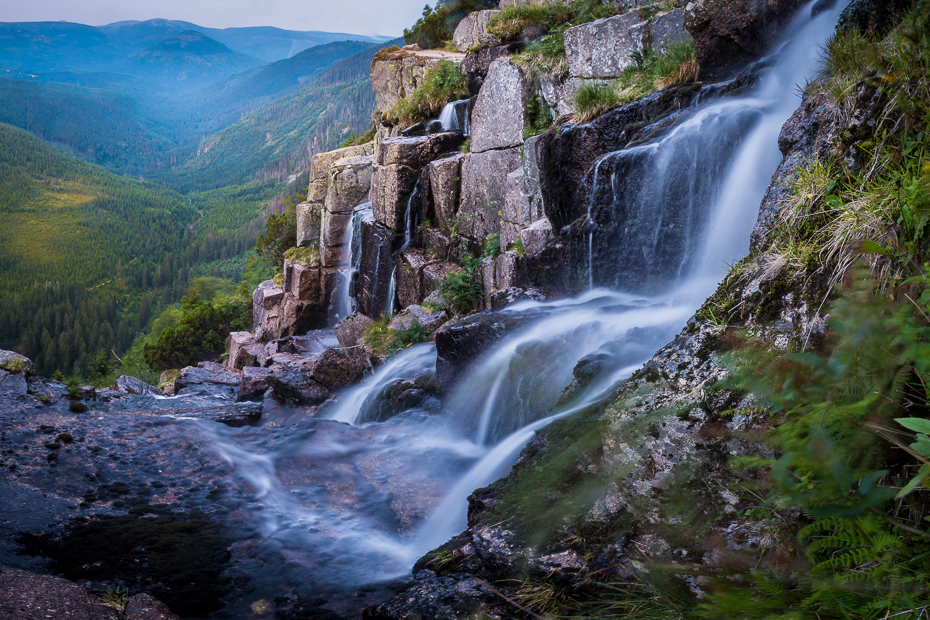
(28, 596)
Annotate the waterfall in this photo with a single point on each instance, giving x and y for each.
(345, 287)
(340, 502)
(455, 116)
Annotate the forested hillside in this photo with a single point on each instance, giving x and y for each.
(280, 138)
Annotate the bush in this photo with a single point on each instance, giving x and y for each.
(593, 99)
(384, 340)
(460, 291)
(445, 83)
(200, 329)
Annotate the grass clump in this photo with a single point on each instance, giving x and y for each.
(383, 339)
(355, 140)
(305, 256)
(652, 72)
(445, 83)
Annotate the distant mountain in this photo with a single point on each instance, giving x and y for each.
(187, 61)
(264, 42)
(219, 104)
(279, 138)
(41, 47)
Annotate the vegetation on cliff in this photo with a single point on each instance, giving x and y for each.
(444, 83)
(438, 23)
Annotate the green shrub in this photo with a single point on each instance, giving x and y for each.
(538, 115)
(492, 246)
(445, 83)
(384, 340)
(354, 140)
(199, 329)
(460, 291)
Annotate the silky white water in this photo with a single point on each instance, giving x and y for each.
(339, 503)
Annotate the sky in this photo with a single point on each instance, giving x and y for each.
(368, 17)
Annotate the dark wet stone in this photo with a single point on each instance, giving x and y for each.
(254, 383)
(12, 385)
(333, 369)
(460, 344)
(131, 385)
(295, 384)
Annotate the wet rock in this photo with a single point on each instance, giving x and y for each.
(415, 130)
(243, 350)
(460, 344)
(373, 279)
(728, 34)
(499, 115)
(131, 385)
(12, 385)
(502, 298)
(14, 363)
(429, 320)
(30, 596)
(453, 597)
(254, 383)
(332, 369)
(602, 48)
(444, 182)
(215, 375)
(484, 177)
(472, 31)
(409, 268)
(295, 384)
(667, 29)
(168, 382)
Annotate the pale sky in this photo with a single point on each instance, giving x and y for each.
(369, 17)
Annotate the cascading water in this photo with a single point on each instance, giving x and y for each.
(453, 114)
(339, 503)
(345, 301)
(410, 229)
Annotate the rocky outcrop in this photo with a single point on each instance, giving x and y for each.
(15, 363)
(131, 385)
(499, 115)
(395, 75)
(472, 31)
(728, 34)
(484, 190)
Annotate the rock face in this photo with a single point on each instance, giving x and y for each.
(602, 49)
(730, 33)
(472, 31)
(484, 188)
(499, 115)
(395, 75)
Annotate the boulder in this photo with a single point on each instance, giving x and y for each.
(502, 298)
(536, 236)
(444, 182)
(309, 215)
(416, 152)
(254, 383)
(484, 177)
(460, 344)
(302, 280)
(506, 270)
(602, 48)
(472, 31)
(15, 363)
(266, 301)
(395, 75)
(295, 384)
(728, 34)
(499, 115)
(243, 350)
(168, 382)
(349, 331)
(12, 385)
(430, 320)
(333, 369)
(131, 385)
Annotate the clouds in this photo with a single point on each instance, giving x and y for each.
(369, 17)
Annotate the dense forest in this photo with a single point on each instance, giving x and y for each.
(89, 259)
